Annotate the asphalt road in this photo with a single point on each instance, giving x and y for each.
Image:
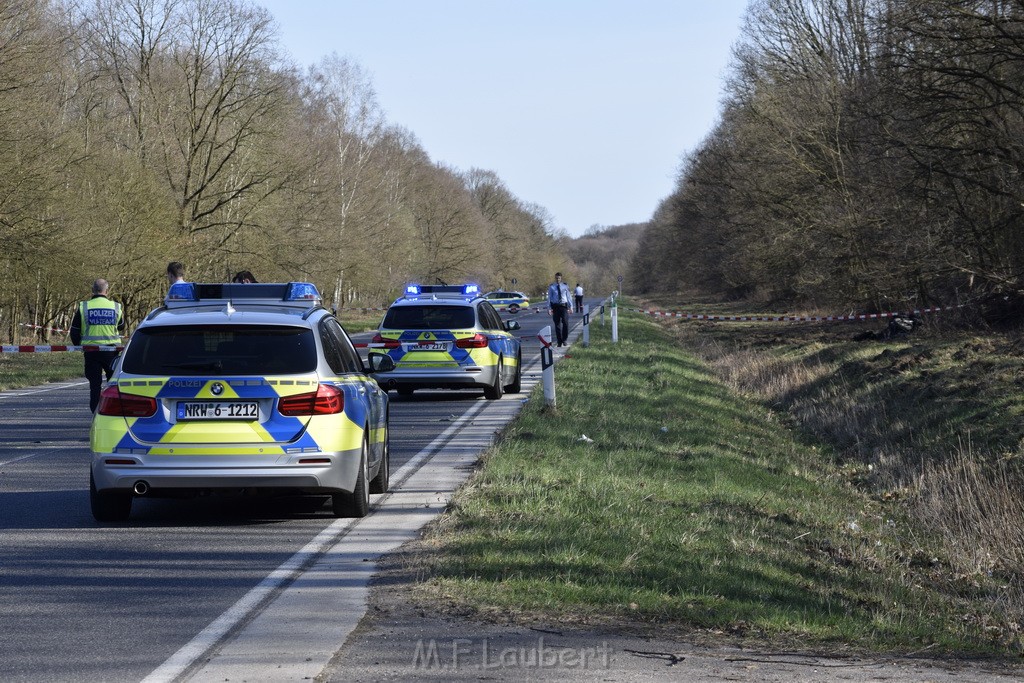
(83, 601)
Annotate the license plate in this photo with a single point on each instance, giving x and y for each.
(428, 346)
(218, 410)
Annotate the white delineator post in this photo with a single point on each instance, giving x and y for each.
(547, 365)
(615, 319)
(586, 325)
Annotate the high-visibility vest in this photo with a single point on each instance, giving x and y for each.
(99, 317)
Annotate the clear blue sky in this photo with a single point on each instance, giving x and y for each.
(584, 107)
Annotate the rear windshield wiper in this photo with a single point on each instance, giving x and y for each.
(206, 365)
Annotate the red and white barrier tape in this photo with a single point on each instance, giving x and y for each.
(792, 318)
(51, 348)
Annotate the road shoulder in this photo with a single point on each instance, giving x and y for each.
(402, 638)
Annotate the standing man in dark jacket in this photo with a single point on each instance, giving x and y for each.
(560, 303)
(98, 322)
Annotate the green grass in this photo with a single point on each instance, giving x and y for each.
(357, 320)
(28, 369)
(694, 508)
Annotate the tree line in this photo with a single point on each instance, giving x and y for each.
(869, 153)
(137, 132)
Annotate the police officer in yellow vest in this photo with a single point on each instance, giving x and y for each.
(97, 322)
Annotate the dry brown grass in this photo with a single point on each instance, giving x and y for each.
(930, 423)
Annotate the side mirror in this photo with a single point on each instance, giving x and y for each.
(512, 325)
(380, 362)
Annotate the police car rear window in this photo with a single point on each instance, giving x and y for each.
(429, 318)
(221, 350)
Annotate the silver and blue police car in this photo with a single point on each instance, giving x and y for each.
(251, 388)
(449, 337)
(513, 302)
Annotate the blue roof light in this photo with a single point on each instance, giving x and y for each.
(471, 289)
(413, 290)
(182, 291)
(302, 291)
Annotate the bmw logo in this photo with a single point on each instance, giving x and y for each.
(217, 389)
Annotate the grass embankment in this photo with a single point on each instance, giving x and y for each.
(28, 369)
(694, 508)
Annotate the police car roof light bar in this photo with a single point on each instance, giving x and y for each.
(468, 290)
(192, 292)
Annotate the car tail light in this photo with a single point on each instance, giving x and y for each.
(326, 400)
(388, 343)
(119, 404)
(477, 341)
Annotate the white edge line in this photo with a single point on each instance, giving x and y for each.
(210, 636)
(24, 457)
(15, 393)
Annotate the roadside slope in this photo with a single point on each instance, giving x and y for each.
(692, 534)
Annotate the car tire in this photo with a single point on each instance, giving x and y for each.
(494, 392)
(357, 503)
(513, 308)
(382, 482)
(113, 506)
(517, 383)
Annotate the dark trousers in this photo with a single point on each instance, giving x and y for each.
(579, 303)
(96, 364)
(560, 317)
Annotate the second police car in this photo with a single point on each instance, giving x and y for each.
(506, 300)
(240, 388)
(448, 337)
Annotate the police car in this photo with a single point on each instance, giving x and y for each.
(448, 337)
(240, 388)
(513, 301)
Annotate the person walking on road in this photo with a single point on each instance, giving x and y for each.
(579, 298)
(98, 322)
(560, 303)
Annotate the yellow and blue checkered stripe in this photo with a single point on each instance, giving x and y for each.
(483, 357)
(159, 435)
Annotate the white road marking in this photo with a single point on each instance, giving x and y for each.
(17, 393)
(290, 570)
(24, 457)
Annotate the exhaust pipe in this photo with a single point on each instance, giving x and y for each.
(140, 488)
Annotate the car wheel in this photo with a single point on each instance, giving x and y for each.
(493, 392)
(513, 308)
(517, 383)
(382, 482)
(113, 506)
(357, 503)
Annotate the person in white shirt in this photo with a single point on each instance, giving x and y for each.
(560, 303)
(579, 298)
(175, 273)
